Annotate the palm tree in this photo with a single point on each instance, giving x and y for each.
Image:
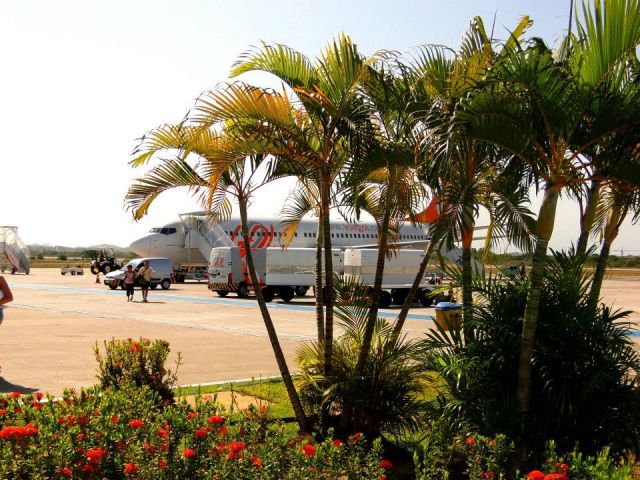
(219, 172)
(548, 114)
(330, 119)
(470, 170)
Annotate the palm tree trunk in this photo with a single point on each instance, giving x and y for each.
(377, 281)
(319, 299)
(544, 229)
(404, 311)
(467, 275)
(616, 216)
(325, 188)
(588, 216)
(268, 323)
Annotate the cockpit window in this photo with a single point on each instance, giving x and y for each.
(163, 230)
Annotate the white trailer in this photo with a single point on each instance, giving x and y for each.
(399, 273)
(280, 272)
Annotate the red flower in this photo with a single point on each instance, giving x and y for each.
(337, 442)
(3, 411)
(162, 433)
(386, 464)
(36, 404)
(114, 419)
(470, 441)
(200, 433)
(237, 447)
(215, 419)
(357, 436)
(66, 471)
(223, 431)
(536, 475)
(189, 453)
(565, 468)
(162, 463)
(136, 423)
(192, 415)
(120, 444)
(164, 447)
(257, 462)
(130, 468)
(95, 455)
(15, 394)
(309, 450)
(556, 476)
(10, 432)
(38, 395)
(488, 475)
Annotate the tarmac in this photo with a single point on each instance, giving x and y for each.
(51, 328)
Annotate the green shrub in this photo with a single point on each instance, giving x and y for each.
(585, 365)
(40, 256)
(122, 434)
(62, 257)
(138, 363)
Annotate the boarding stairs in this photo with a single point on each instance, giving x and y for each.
(14, 254)
(204, 234)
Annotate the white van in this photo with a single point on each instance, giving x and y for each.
(162, 273)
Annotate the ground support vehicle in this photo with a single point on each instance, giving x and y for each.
(284, 273)
(399, 273)
(183, 272)
(161, 275)
(104, 262)
(77, 270)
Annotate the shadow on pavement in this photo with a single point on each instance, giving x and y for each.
(8, 387)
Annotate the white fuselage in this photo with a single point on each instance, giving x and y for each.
(172, 240)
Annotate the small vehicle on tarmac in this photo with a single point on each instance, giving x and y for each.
(77, 270)
(104, 261)
(162, 273)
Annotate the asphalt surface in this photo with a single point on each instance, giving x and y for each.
(49, 331)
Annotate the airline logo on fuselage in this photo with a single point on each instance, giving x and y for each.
(259, 235)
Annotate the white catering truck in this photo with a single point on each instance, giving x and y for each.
(399, 273)
(280, 272)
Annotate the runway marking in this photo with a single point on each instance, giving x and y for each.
(204, 300)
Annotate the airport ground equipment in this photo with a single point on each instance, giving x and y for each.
(77, 270)
(284, 273)
(104, 261)
(162, 273)
(399, 273)
(14, 254)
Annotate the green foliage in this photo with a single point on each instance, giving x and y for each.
(62, 257)
(585, 366)
(119, 434)
(40, 256)
(137, 363)
(387, 395)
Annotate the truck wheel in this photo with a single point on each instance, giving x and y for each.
(301, 291)
(385, 299)
(222, 293)
(426, 299)
(287, 294)
(95, 270)
(165, 284)
(106, 268)
(268, 294)
(62, 273)
(399, 295)
(113, 286)
(153, 286)
(243, 290)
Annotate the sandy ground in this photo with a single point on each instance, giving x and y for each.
(47, 338)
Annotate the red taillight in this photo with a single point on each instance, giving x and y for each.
(229, 278)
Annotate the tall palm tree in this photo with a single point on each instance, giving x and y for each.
(469, 168)
(218, 172)
(549, 113)
(331, 119)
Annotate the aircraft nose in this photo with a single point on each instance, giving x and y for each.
(141, 246)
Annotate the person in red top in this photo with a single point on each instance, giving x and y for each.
(129, 282)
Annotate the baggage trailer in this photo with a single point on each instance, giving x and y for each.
(399, 273)
(280, 272)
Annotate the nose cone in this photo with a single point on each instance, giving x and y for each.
(142, 246)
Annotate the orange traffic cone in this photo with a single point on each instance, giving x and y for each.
(97, 278)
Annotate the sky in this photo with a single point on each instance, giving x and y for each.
(80, 81)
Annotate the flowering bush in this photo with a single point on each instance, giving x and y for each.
(137, 362)
(122, 434)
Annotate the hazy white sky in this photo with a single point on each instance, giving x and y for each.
(81, 80)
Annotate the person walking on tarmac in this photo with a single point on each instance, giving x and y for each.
(144, 278)
(129, 282)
